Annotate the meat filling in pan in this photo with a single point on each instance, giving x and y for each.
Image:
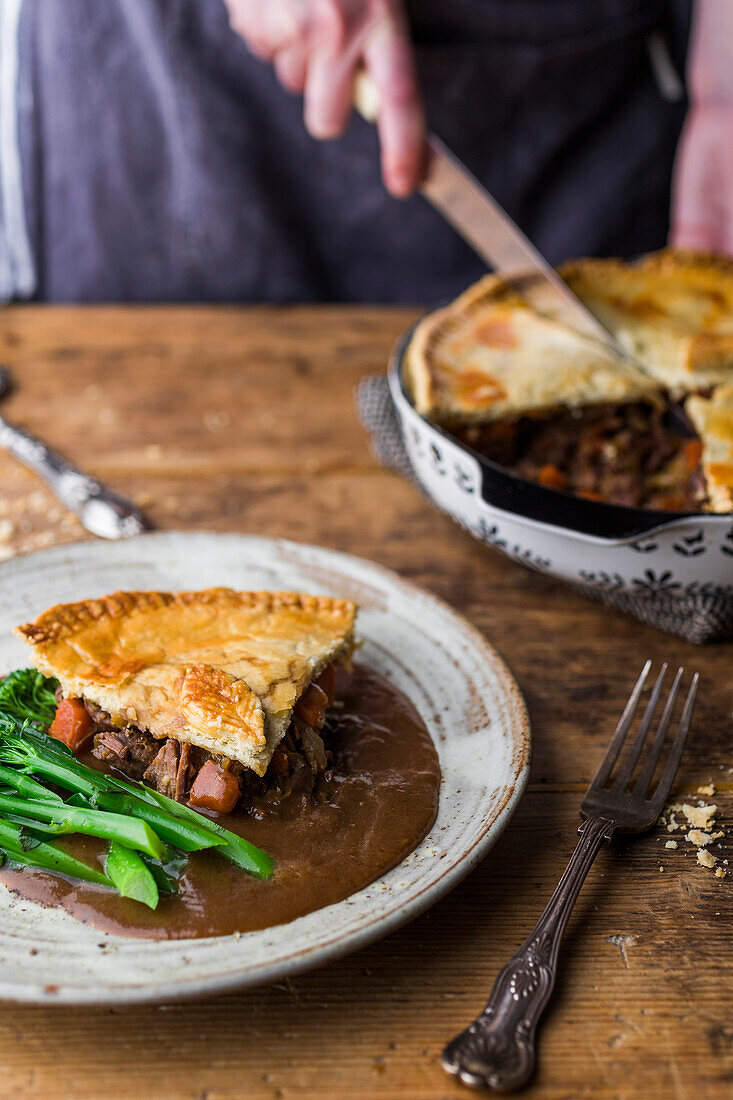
(628, 454)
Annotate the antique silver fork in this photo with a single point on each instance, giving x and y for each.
(497, 1050)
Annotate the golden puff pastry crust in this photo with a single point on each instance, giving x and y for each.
(712, 418)
(672, 309)
(490, 355)
(216, 668)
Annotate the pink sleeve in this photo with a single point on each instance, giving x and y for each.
(702, 192)
(710, 68)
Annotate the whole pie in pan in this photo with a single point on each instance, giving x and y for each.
(176, 681)
(556, 406)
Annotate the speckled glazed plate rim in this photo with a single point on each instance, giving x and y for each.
(462, 688)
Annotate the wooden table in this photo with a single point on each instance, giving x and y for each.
(242, 420)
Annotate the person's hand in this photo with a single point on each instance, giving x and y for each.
(702, 206)
(317, 46)
(702, 194)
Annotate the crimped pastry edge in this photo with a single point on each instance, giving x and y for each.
(431, 329)
(63, 620)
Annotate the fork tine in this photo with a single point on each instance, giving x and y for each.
(627, 768)
(670, 769)
(621, 730)
(644, 781)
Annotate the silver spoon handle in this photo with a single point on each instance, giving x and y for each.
(497, 1050)
(101, 511)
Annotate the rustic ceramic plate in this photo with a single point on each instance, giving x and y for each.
(460, 686)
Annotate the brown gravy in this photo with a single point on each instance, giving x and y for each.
(375, 808)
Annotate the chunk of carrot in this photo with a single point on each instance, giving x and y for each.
(670, 502)
(215, 789)
(312, 705)
(589, 494)
(552, 477)
(72, 723)
(693, 454)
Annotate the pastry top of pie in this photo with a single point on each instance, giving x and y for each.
(673, 309)
(712, 418)
(217, 668)
(489, 355)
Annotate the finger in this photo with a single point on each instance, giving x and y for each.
(287, 21)
(242, 16)
(266, 26)
(247, 19)
(291, 66)
(697, 223)
(703, 230)
(328, 84)
(260, 47)
(389, 59)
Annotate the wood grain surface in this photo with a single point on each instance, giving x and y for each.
(241, 419)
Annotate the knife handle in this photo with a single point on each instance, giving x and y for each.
(366, 100)
(365, 96)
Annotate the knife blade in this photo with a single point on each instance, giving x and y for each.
(487, 228)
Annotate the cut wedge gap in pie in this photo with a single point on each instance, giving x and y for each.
(196, 690)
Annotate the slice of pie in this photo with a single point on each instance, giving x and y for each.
(673, 309)
(713, 421)
(176, 681)
(490, 355)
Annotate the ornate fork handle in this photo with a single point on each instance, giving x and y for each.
(102, 512)
(497, 1050)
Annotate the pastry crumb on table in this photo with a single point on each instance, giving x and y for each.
(701, 834)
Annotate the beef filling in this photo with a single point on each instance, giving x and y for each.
(171, 766)
(169, 770)
(626, 454)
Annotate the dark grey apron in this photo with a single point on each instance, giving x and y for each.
(163, 162)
